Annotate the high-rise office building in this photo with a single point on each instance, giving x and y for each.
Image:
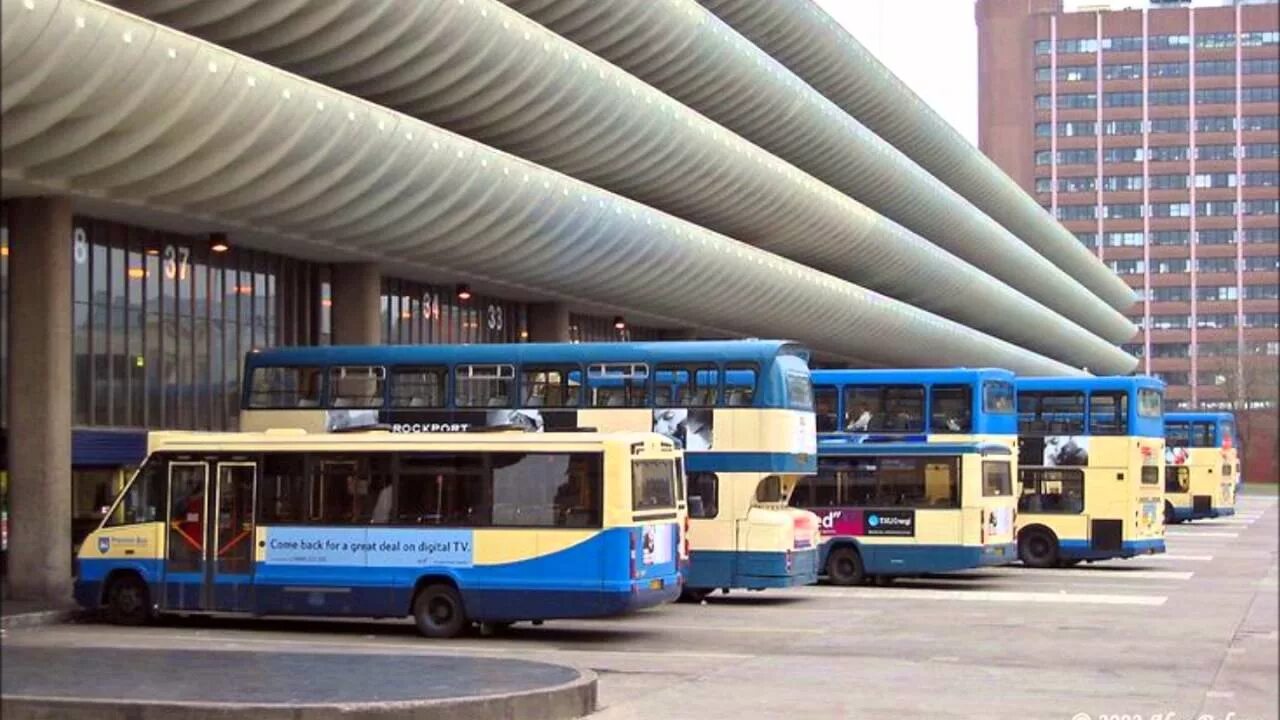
(1150, 129)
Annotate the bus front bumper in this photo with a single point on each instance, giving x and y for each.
(998, 554)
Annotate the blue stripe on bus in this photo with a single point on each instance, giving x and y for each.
(591, 578)
(1082, 550)
(710, 569)
(769, 462)
(882, 559)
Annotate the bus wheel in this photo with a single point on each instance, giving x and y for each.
(438, 612)
(1038, 549)
(844, 567)
(127, 601)
(694, 595)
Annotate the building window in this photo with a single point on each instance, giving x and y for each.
(1119, 72)
(1215, 67)
(1262, 150)
(1258, 39)
(1262, 263)
(1262, 235)
(1124, 239)
(1121, 183)
(1083, 183)
(1165, 69)
(1261, 292)
(1216, 321)
(1262, 178)
(1261, 207)
(1251, 123)
(1215, 180)
(1126, 267)
(1215, 123)
(1169, 322)
(1215, 237)
(1215, 293)
(1216, 265)
(1165, 210)
(1165, 97)
(1259, 94)
(1171, 377)
(1216, 40)
(1214, 208)
(1169, 266)
(1170, 350)
(1076, 212)
(1123, 99)
(1260, 66)
(1172, 293)
(1077, 45)
(1087, 239)
(1216, 152)
(1215, 96)
(1131, 43)
(1166, 153)
(1168, 42)
(1169, 125)
(1169, 182)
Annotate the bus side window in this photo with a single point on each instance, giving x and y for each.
(952, 409)
(357, 387)
(286, 387)
(740, 385)
(282, 489)
(704, 489)
(143, 501)
(824, 405)
(618, 384)
(1108, 413)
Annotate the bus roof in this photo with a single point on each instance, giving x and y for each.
(1104, 382)
(513, 440)
(909, 376)
(1200, 416)
(845, 445)
(600, 352)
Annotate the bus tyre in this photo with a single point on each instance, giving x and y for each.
(128, 601)
(1169, 517)
(1038, 549)
(844, 567)
(438, 612)
(694, 595)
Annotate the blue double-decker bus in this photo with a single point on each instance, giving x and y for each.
(915, 471)
(1202, 465)
(741, 410)
(1091, 464)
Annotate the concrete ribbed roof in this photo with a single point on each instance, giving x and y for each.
(100, 104)
(480, 69)
(693, 56)
(814, 46)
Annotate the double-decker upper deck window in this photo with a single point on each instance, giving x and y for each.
(884, 409)
(417, 387)
(686, 386)
(356, 387)
(555, 387)
(1050, 413)
(1202, 435)
(740, 385)
(769, 490)
(1108, 413)
(825, 408)
(799, 391)
(618, 384)
(1150, 403)
(653, 485)
(286, 387)
(997, 397)
(952, 409)
(1177, 434)
(483, 385)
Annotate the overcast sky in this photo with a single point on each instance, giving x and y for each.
(931, 44)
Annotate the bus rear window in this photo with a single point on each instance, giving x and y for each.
(285, 387)
(1177, 434)
(996, 479)
(653, 485)
(1150, 403)
(1202, 435)
(997, 397)
(1150, 475)
(770, 490)
(1108, 413)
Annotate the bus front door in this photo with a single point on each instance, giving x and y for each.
(210, 543)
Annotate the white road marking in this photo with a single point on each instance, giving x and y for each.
(1220, 694)
(1100, 573)
(1183, 534)
(1172, 557)
(994, 596)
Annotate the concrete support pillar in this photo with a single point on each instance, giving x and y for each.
(40, 254)
(357, 304)
(548, 322)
